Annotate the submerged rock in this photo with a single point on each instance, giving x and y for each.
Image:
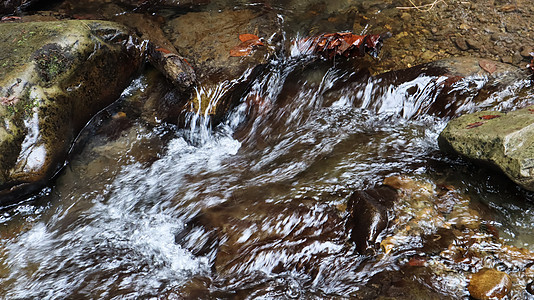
(489, 284)
(504, 140)
(369, 215)
(55, 76)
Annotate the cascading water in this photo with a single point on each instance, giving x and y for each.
(251, 208)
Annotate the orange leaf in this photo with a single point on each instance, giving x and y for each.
(245, 48)
(163, 50)
(473, 125)
(487, 65)
(489, 117)
(247, 36)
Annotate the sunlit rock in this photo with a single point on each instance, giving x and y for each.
(55, 76)
(504, 140)
(489, 284)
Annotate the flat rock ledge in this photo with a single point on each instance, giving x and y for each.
(504, 140)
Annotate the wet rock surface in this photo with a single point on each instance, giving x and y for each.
(205, 40)
(495, 30)
(445, 88)
(504, 140)
(369, 214)
(435, 232)
(489, 284)
(55, 76)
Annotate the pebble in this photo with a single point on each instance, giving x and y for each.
(461, 44)
(489, 284)
(427, 55)
(473, 44)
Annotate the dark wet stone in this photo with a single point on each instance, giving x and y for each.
(489, 284)
(473, 44)
(55, 77)
(13, 6)
(526, 51)
(160, 51)
(369, 215)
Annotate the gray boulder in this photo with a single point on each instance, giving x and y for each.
(505, 140)
(54, 77)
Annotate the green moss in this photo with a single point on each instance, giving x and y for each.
(52, 60)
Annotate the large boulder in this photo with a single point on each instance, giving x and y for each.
(504, 140)
(55, 76)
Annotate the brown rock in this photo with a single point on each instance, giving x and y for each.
(489, 284)
(369, 215)
(461, 44)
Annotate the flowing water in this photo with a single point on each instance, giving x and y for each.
(255, 206)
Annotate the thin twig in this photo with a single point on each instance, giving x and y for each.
(427, 7)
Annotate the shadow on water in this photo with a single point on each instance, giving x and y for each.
(257, 206)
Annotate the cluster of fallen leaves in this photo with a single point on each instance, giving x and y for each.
(344, 44)
(249, 42)
(329, 45)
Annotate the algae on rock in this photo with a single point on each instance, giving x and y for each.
(503, 140)
(55, 76)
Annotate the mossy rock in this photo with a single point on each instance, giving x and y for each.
(55, 76)
(504, 140)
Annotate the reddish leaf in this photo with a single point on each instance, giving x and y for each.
(249, 42)
(451, 79)
(341, 43)
(489, 117)
(11, 100)
(163, 50)
(473, 125)
(245, 48)
(487, 65)
(416, 262)
(247, 36)
(10, 18)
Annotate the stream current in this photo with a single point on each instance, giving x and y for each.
(255, 206)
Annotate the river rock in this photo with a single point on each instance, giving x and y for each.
(55, 76)
(489, 284)
(504, 140)
(369, 215)
(205, 40)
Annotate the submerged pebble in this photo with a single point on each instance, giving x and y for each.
(489, 284)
